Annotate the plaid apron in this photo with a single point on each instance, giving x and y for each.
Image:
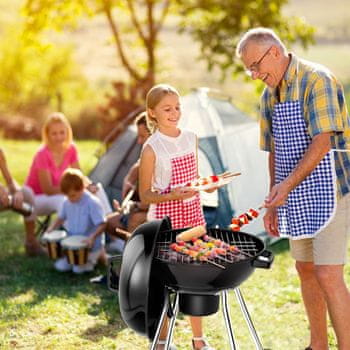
(311, 205)
(182, 213)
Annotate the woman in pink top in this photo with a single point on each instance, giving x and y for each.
(57, 153)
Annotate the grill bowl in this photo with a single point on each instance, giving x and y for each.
(139, 286)
(205, 278)
(144, 278)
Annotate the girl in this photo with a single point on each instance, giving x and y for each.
(168, 162)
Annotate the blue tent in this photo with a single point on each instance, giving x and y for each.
(228, 140)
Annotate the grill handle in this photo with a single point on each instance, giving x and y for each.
(264, 260)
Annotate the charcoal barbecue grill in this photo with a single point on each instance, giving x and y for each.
(156, 282)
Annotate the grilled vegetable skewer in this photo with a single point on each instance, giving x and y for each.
(244, 219)
(200, 256)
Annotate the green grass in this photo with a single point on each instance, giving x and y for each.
(43, 309)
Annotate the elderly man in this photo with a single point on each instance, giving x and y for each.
(305, 127)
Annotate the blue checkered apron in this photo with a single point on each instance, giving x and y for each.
(311, 205)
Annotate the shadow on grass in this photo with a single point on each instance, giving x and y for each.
(20, 275)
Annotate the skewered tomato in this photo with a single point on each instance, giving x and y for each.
(214, 178)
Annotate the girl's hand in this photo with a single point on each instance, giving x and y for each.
(181, 193)
(210, 190)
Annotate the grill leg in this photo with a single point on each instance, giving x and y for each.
(173, 311)
(246, 315)
(227, 319)
(160, 323)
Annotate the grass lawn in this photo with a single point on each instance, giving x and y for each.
(43, 309)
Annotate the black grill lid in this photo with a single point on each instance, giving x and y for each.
(138, 286)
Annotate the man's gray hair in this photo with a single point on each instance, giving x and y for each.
(261, 36)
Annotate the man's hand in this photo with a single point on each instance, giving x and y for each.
(271, 222)
(278, 195)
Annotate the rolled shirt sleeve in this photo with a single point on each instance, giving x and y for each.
(324, 106)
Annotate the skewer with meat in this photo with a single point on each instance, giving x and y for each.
(195, 255)
(207, 249)
(244, 219)
(212, 179)
(220, 244)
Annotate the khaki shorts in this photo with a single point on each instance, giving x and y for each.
(328, 247)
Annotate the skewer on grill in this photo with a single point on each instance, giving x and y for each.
(207, 251)
(182, 249)
(230, 249)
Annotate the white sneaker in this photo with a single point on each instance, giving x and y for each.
(88, 267)
(62, 265)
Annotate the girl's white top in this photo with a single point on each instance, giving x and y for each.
(165, 148)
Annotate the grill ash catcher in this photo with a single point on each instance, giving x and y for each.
(156, 282)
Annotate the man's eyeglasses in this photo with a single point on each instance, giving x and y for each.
(254, 67)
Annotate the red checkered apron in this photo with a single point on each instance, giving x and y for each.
(182, 213)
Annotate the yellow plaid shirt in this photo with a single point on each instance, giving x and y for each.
(323, 103)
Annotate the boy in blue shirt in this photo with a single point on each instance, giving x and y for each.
(81, 214)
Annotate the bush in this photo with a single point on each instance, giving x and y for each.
(37, 77)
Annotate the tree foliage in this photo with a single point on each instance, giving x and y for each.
(218, 24)
(34, 73)
(136, 24)
(133, 24)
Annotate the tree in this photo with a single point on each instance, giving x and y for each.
(35, 74)
(145, 20)
(218, 24)
(135, 26)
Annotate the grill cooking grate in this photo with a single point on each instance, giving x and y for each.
(247, 247)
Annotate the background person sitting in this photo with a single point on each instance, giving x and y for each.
(81, 214)
(134, 213)
(55, 155)
(11, 196)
